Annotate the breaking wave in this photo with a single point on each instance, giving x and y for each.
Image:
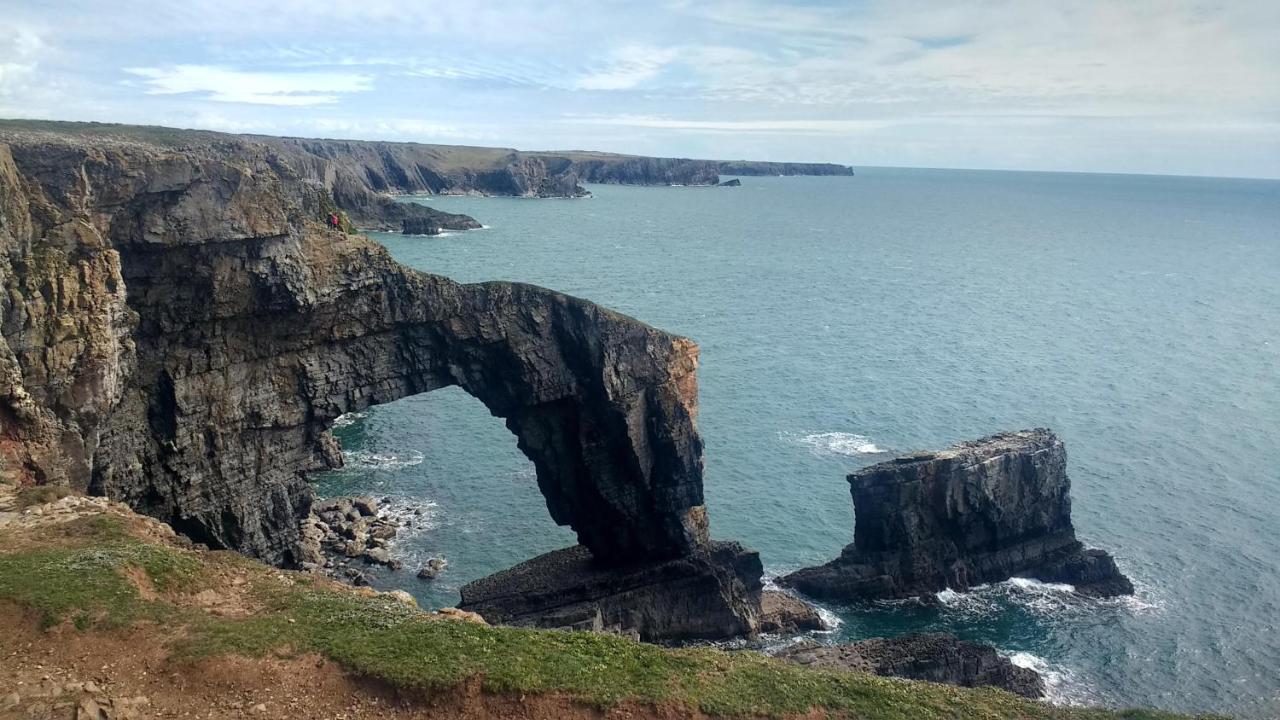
(381, 461)
(1061, 685)
(347, 419)
(840, 443)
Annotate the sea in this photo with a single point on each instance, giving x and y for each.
(843, 320)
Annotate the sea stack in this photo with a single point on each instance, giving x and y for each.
(978, 512)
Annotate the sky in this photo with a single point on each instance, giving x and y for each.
(1144, 86)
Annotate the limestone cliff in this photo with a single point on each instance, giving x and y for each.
(361, 175)
(179, 333)
(979, 512)
(749, 167)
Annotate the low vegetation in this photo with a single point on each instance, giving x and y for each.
(100, 573)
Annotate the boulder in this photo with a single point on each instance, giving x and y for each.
(934, 657)
(979, 512)
(432, 568)
(784, 613)
(366, 506)
(711, 594)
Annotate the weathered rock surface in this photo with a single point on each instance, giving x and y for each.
(933, 657)
(979, 512)
(731, 183)
(622, 170)
(783, 613)
(749, 167)
(179, 332)
(711, 593)
(359, 175)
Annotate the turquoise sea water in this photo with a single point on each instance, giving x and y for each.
(843, 319)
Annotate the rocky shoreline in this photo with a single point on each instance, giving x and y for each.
(341, 535)
(180, 330)
(934, 657)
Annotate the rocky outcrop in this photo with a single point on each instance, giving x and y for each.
(356, 170)
(731, 183)
(180, 333)
(784, 613)
(979, 512)
(934, 657)
(749, 167)
(622, 170)
(361, 176)
(713, 592)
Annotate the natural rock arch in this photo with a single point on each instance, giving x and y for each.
(604, 406)
(209, 332)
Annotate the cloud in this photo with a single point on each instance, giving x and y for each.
(20, 50)
(253, 87)
(628, 68)
(791, 127)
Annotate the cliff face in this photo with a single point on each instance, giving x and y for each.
(360, 175)
(648, 171)
(179, 333)
(355, 169)
(749, 167)
(979, 512)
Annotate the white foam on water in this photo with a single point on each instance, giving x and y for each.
(1041, 598)
(382, 461)
(1033, 585)
(1061, 685)
(971, 604)
(831, 620)
(347, 419)
(841, 443)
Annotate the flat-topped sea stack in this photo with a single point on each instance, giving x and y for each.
(978, 512)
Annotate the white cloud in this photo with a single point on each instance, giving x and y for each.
(20, 49)
(795, 127)
(628, 67)
(253, 87)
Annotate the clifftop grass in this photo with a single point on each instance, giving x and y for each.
(99, 574)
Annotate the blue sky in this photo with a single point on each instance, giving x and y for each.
(1155, 86)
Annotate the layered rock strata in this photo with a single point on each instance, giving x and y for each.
(179, 332)
(713, 592)
(934, 657)
(750, 167)
(978, 512)
(360, 175)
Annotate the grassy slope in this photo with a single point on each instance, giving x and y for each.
(86, 572)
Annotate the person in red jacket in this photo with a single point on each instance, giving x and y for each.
(333, 221)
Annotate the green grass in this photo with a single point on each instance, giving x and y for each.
(81, 577)
(381, 638)
(83, 580)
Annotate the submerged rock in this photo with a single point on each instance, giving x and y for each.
(432, 568)
(934, 657)
(979, 512)
(713, 593)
